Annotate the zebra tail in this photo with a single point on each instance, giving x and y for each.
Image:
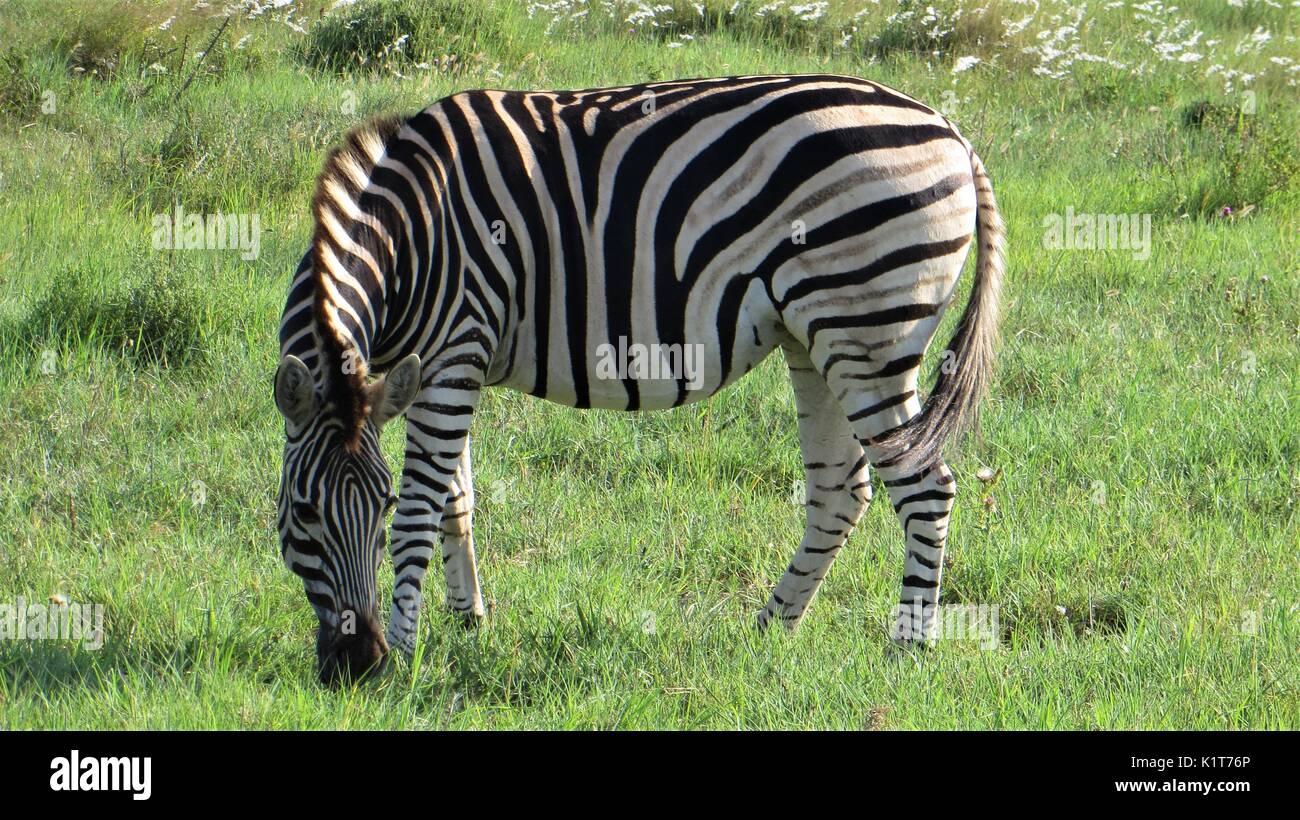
(952, 407)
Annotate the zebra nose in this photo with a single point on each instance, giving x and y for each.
(353, 657)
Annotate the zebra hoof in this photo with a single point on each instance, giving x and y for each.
(910, 647)
(468, 619)
(767, 617)
(404, 643)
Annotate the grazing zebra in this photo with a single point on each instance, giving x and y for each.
(517, 238)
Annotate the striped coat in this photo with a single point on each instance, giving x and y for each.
(532, 239)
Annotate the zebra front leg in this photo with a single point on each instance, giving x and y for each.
(836, 490)
(460, 569)
(437, 436)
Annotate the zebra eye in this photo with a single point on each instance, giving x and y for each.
(305, 513)
(390, 504)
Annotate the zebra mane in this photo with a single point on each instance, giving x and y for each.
(348, 227)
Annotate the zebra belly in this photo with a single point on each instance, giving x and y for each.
(651, 373)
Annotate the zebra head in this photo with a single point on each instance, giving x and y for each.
(335, 494)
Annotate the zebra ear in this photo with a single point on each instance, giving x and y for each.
(295, 394)
(394, 392)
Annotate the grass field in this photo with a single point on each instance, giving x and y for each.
(1140, 545)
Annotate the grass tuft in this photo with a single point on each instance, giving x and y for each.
(20, 88)
(1223, 162)
(159, 318)
(392, 35)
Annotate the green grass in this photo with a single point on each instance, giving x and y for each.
(1141, 543)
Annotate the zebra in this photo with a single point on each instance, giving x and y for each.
(498, 238)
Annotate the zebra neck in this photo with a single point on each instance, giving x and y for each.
(300, 333)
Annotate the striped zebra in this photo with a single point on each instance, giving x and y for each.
(507, 238)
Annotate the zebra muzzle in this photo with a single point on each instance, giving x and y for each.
(351, 655)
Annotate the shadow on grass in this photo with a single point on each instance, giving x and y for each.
(1044, 618)
(560, 656)
(44, 667)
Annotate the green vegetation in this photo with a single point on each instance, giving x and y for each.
(1140, 543)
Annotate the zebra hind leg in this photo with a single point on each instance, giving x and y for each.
(837, 490)
(922, 499)
(459, 566)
